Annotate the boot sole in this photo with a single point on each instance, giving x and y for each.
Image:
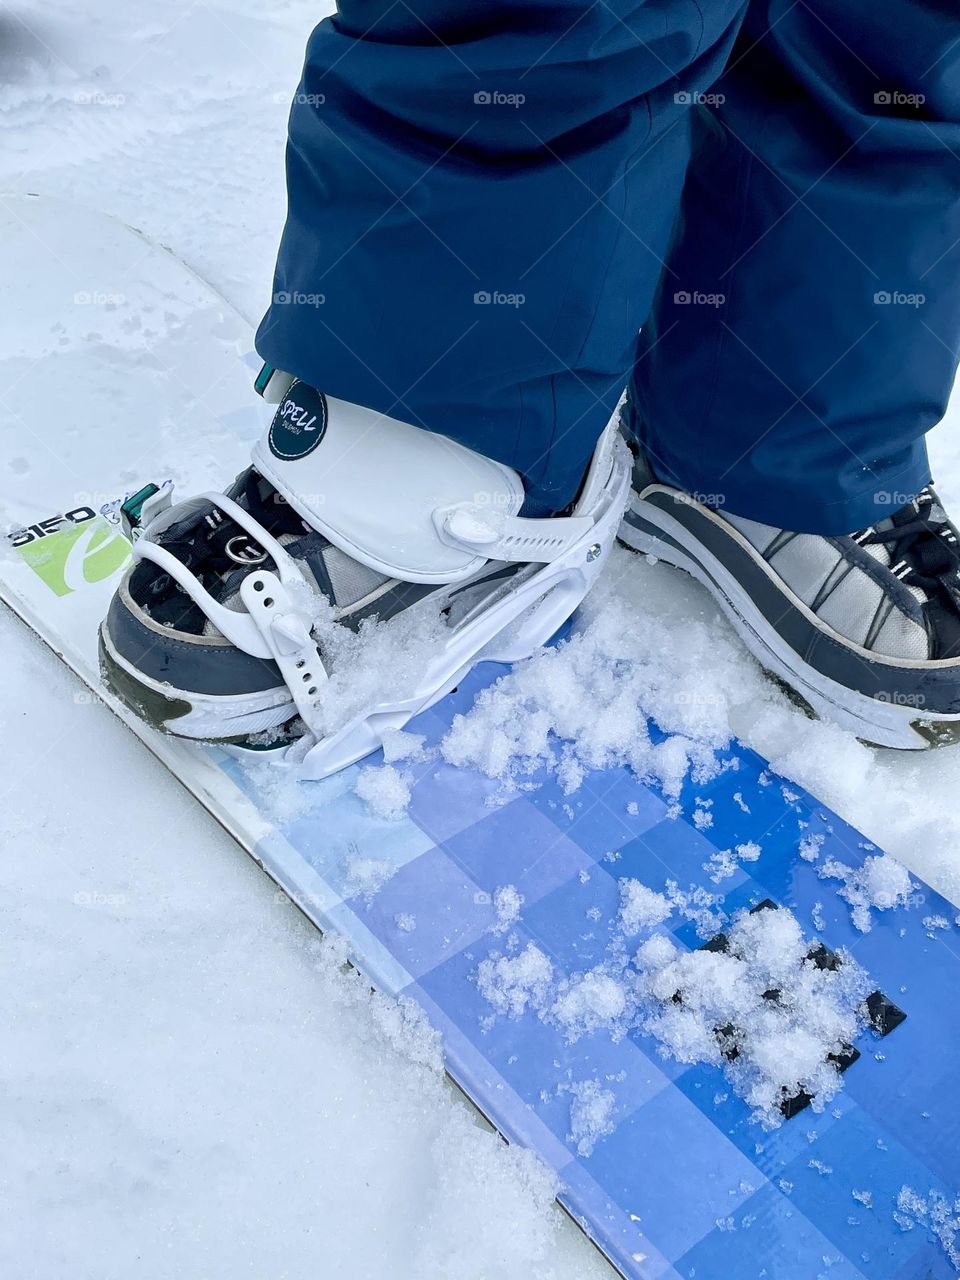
(188, 715)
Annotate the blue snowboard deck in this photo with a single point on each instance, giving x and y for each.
(687, 1184)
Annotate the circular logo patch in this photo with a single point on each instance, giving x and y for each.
(299, 424)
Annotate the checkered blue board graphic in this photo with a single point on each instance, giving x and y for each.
(686, 1185)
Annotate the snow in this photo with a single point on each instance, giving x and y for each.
(513, 983)
(759, 1008)
(368, 665)
(933, 923)
(650, 641)
(212, 1086)
(367, 876)
(640, 907)
(507, 902)
(399, 744)
(591, 1114)
(585, 705)
(935, 1212)
(588, 1002)
(782, 1042)
(723, 863)
(881, 883)
(810, 847)
(385, 790)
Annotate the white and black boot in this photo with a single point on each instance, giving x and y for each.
(220, 629)
(865, 628)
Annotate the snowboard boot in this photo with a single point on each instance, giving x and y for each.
(225, 628)
(865, 628)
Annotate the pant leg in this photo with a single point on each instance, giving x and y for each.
(822, 207)
(480, 196)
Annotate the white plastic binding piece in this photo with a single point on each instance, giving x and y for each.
(287, 636)
(504, 537)
(236, 626)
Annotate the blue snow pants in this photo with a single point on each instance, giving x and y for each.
(488, 200)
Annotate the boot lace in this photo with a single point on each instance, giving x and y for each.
(923, 547)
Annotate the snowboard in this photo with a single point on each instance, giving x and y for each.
(121, 367)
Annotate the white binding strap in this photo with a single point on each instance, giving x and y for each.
(286, 564)
(500, 536)
(287, 635)
(238, 627)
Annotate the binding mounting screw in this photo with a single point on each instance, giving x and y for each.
(594, 552)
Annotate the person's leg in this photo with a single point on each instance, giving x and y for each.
(806, 333)
(803, 340)
(480, 198)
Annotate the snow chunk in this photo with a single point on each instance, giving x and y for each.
(384, 790)
(511, 984)
(880, 883)
(507, 903)
(655, 953)
(810, 847)
(699, 906)
(367, 876)
(757, 1006)
(368, 666)
(640, 907)
(591, 1115)
(398, 744)
(935, 1212)
(723, 863)
(933, 923)
(589, 1001)
(584, 705)
(760, 1010)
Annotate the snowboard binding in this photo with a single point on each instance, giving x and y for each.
(225, 629)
